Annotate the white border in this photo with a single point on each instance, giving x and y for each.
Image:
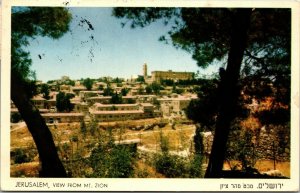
(154, 184)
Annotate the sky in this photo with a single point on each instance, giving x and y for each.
(115, 51)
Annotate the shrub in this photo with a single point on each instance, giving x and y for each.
(20, 156)
(172, 166)
(112, 161)
(83, 128)
(195, 167)
(15, 117)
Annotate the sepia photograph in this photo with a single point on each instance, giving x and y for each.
(185, 98)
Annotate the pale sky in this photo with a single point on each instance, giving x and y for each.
(116, 51)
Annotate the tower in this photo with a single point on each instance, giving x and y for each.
(145, 71)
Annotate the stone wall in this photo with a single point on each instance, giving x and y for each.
(269, 143)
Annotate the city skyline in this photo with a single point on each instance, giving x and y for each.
(107, 50)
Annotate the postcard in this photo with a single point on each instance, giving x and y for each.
(131, 95)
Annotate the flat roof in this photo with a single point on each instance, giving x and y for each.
(63, 115)
(146, 104)
(174, 99)
(99, 97)
(116, 105)
(116, 112)
(91, 91)
(128, 97)
(38, 98)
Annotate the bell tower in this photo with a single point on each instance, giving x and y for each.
(145, 71)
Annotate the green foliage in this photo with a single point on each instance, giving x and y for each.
(242, 149)
(174, 166)
(108, 91)
(130, 101)
(177, 90)
(21, 156)
(171, 166)
(167, 82)
(164, 142)
(63, 103)
(74, 138)
(206, 34)
(156, 87)
(112, 161)
(88, 83)
(195, 166)
(116, 98)
(101, 87)
(140, 79)
(124, 91)
(198, 141)
(45, 91)
(117, 80)
(83, 128)
(15, 117)
(93, 127)
(140, 90)
(148, 89)
(204, 109)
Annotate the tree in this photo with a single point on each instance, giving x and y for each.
(45, 91)
(124, 91)
(101, 87)
(148, 89)
(88, 83)
(255, 42)
(93, 127)
(29, 22)
(112, 161)
(167, 82)
(63, 103)
(140, 79)
(108, 91)
(156, 88)
(116, 98)
(83, 128)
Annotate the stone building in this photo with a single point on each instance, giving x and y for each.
(158, 76)
(65, 88)
(122, 112)
(77, 89)
(115, 107)
(63, 117)
(146, 98)
(98, 99)
(81, 107)
(39, 102)
(89, 93)
(116, 115)
(145, 71)
(173, 106)
(129, 99)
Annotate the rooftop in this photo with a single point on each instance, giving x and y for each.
(63, 115)
(116, 105)
(116, 112)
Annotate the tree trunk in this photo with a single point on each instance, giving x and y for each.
(229, 92)
(51, 164)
